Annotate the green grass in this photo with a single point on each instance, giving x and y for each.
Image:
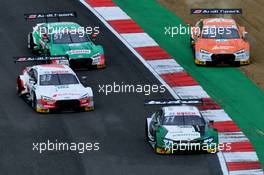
(237, 94)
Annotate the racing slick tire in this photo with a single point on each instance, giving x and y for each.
(155, 145)
(18, 86)
(191, 42)
(31, 44)
(146, 131)
(34, 103)
(192, 47)
(148, 140)
(156, 149)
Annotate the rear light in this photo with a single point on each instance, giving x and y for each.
(102, 61)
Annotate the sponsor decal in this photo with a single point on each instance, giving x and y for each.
(216, 11)
(66, 94)
(59, 72)
(21, 59)
(222, 47)
(50, 15)
(32, 16)
(197, 11)
(185, 113)
(24, 59)
(79, 52)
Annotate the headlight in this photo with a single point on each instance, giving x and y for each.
(209, 140)
(46, 98)
(204, 55)
(240, 52)
(204, 52)
(85, 96)
(96, 56)
(86, 99)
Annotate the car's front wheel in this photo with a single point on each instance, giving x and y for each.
(156, 149)
(192, 43)
(146, 131)
(34, 102)
(18, 87)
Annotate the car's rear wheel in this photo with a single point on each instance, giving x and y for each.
(155, 145)
(191, 41)
(48, 55)
(31, 44)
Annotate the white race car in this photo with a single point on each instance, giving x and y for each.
(54, 87)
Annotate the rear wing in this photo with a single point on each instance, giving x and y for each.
(174, 102)
(46, 16)
(216, 11)
(43, 58)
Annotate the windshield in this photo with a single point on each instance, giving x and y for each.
(67, 38)
(220, 33)
(183, 120)
(58, 79)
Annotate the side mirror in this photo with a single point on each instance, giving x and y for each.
(195, 33)
(156, 123)
(245, 35)
(32, 81)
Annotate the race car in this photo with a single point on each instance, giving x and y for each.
(54, 87)
(65, 38)
(180, 128)
(220, 41)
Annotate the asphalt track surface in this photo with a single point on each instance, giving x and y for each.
(117, 123)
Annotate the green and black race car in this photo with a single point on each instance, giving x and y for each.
(65, 38)
(175, 129)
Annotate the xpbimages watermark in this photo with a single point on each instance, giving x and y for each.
(189, 146)
(60, 31)
(130, 88)
(56, 146)
(212, 31)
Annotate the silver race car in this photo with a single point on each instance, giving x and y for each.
(51, 87)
